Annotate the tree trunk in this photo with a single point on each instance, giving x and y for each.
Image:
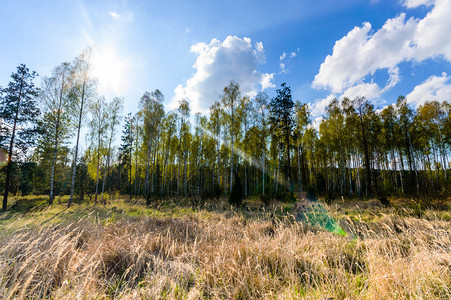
(74, 170)
(97, 176)
(414, 163)
(263, 175)
(231, 164)
(350, 175)
(217, 168)
(299, 167)
(287, 143)
(55, 153)
(146, 183)
(105, 173)
(131, 164)
(245, 175)
(367, 157)
(401, 169)
(10, 152)
(98, 162)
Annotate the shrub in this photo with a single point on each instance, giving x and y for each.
(236, 196)
(265, 199)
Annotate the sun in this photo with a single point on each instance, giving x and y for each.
(110, 71)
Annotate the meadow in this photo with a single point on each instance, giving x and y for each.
(128, 250)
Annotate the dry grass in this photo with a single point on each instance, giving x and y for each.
(224, 255)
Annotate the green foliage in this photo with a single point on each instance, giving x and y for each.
(18, 111)
(356, 151)
(27, 203)
(282, 124)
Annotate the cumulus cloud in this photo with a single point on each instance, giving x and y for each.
(267, 81)
(362, 51)
(293, 54)
(359, 53)
(432, 37)
(216, 65)
(369, 90)
(433, 88)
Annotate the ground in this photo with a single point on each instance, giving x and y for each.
(346, 250)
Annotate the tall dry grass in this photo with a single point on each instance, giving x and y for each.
(192, 257)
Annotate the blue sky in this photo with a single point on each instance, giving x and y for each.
(190, 49)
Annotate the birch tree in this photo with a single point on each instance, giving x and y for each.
(83, 90)
(113, 111)
(57, 102)
(230, 102)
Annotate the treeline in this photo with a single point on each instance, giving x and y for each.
(267, 144)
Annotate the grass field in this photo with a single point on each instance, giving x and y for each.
(130, 251)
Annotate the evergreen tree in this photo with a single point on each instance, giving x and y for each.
(236, 196)
(282, 123)
(126, 151)
(19, 112)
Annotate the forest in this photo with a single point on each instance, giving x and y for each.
(268, 144)
(253, 200)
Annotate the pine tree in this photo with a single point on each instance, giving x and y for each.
(19, 112)
(282, 122)
(126, 149)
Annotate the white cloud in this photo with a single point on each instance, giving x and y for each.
(318, 107)
(359, 53)
(267, 81)
(282, 56)
(216, 65)
(282, 68)
(362, 52)
(114, 14)
(367, 90)
(315, 123)
(282, 65)
(416, 3)
(433, 88)
(432, 37)
(393, 79)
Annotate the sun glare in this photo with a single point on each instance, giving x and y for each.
(110, 71)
